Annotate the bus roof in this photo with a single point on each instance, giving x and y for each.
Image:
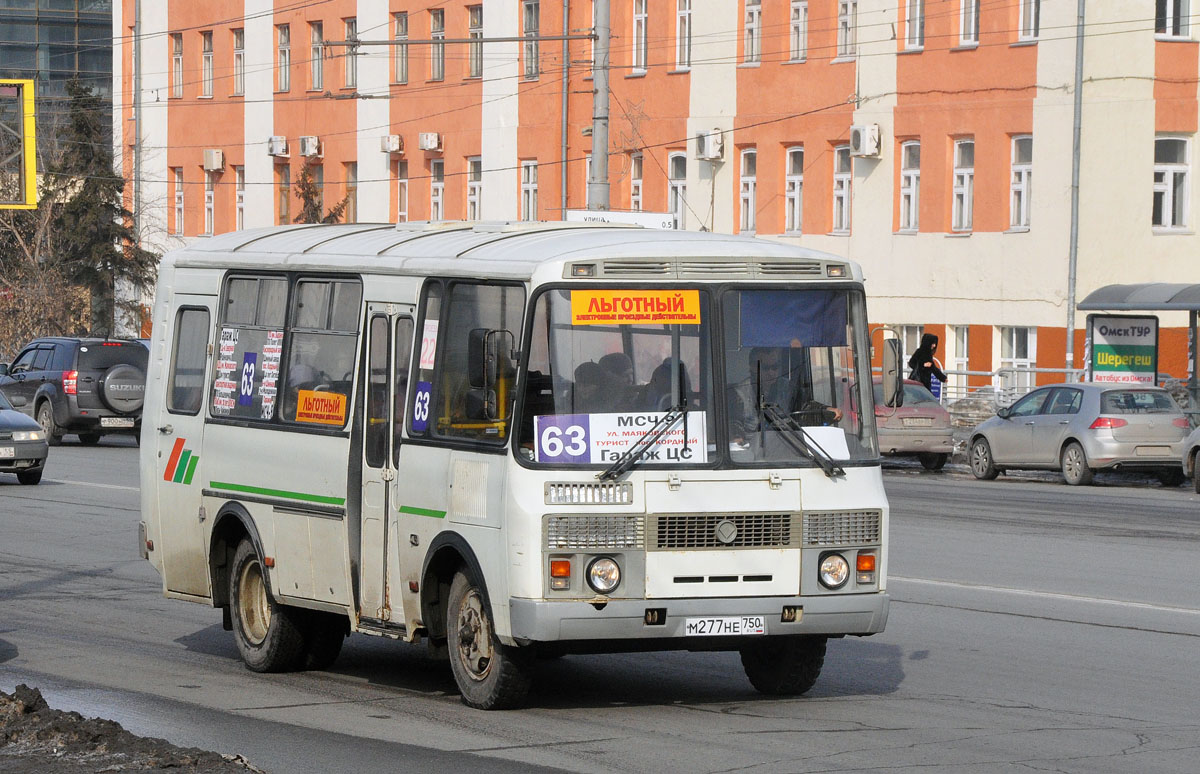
(506, 250)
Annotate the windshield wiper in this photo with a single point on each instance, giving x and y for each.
(643, 444)
(796, 436)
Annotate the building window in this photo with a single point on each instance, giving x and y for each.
(437, 188)
(318, 177)
(239, 187)
(437, 51)
(1171, 18)
(530, 21)
(474, 188)
(677, 178)
(209, 202)
(914, 24)
(475, 34)
(283, 174)
(635, 182)
(748, 190)
(1022, 181)
(529, 190)
(401, 191)
(176, 65)
(847, 43)
(1031, 18)
(752, 32)
(794, 191)
(683, 34)
(959, 359)
(351, 214)
(351, 54)
(206, 64)
(401, 72)
(284, 60)
(842, 174)
(964, 185)
(1018, 350)
(640, 45)
(239, 62)
(798, 45)
(316, 59)
(177, 177)
(1170, 182)
(968, 30)
(910, 186)
(911, 336)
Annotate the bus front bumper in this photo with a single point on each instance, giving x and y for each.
(833, 614)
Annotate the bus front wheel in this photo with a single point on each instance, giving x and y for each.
(786, 666)
(490, 675)
(266, 632)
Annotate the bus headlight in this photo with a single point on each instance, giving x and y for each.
(604, 575)
(834, 571)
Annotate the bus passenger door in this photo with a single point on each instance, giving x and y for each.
(178, 435)
(389, 344)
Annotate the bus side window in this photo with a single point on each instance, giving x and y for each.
(185, 388)
(401, 361)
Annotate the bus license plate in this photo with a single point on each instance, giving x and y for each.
(7, 452)
(724, 626)
(116, 421)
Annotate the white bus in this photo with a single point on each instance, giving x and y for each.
(516, 440)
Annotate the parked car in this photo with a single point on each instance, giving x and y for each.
(23, 446)
(920, 428)
(1082, 428)
(1191, 446)
(86, 386)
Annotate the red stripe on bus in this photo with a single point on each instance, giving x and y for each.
(174, 460)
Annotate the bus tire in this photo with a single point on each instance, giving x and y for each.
(266, 632)
(324, 634)
(490, 675)
(784, 666)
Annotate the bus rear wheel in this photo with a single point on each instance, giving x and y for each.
(490, 675)
(266, 632)
(786, 666)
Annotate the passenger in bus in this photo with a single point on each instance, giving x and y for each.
(656, 393)
(588, 391)
(766, 378)
(618, 371)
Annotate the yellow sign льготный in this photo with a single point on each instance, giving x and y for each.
(623, 307)
(322, 408)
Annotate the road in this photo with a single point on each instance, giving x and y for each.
(1033, 626)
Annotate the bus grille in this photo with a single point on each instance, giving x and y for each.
(676, 532)
(841, 528)
(607, 532)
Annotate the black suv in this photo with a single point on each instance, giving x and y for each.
(89, 387)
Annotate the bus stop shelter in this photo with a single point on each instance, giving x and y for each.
(1154, 297)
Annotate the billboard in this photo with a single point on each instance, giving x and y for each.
(1124, 348)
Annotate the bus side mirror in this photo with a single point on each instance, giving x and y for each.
(893, 381)
(489, 354)
(3, 369)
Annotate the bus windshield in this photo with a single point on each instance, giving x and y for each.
(606, 365)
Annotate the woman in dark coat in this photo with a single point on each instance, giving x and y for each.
(922, 366)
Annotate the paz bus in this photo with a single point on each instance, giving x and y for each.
(516, 440)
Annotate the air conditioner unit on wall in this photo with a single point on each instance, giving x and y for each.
(864, 140)
(310, 146)
(214, 160)
(710, 146)
(391, 143)
(429, 141)
(277, 146)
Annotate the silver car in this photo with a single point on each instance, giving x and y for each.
(1082, 428)
(1191, 447)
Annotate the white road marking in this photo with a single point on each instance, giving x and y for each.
(101, 486)
(1047, 595)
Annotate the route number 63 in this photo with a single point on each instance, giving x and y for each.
(556, 440)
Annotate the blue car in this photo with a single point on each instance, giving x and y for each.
(23, 445)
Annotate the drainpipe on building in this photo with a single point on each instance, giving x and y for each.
(598, 184)
(1073, 255)
(566, 58)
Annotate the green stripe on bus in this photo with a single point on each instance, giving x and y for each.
(181, 468)
(422, 512)
(191, 469)
(258, 490)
